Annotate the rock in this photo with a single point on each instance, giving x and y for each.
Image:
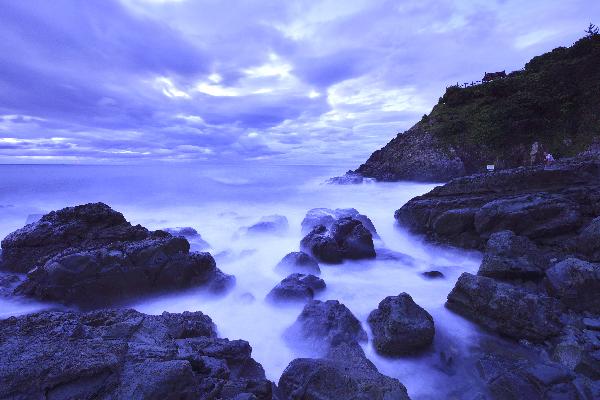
(296, 287)
(400, 326)
(588, 241)
(506, 309)
(120, 271)
(191, 235)
(576, 283)
(272, 224)
(85, 226)
(124, 354)
(8, 282)
(391, 255)
(298, 261)
(326, 217)
(432, 274)
(349, 178)
(509, 379)
(346, 239)
(592, 323)
(509, 257)
(31, 218)
(345, 373)
(324, 324)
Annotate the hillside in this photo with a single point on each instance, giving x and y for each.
(554, 102)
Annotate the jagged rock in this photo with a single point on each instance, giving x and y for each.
(124, 354)
(509, 257)
(298, 261)
(271, 224)
(296, 287)
(400, 326)
(345, 373)
(326, 217)
(324, 324)
(576, 283)
(192, 235)
(347, 238)
(84, 226)
(506, 309)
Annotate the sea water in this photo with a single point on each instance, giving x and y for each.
(219, 201)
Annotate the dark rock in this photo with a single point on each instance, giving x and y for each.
(272, 224)
(345, 373)
(506, 309)
(8, 282)
(592, 323)
(89, 225)
(588, 241)
(326, 217)
(326, 323)
(296, 287)
(120, 271)
(349, 178)
(509, 257)
(576, 283)
(432, 274)
(298, 261)
(400, 326)
(322, 246)
(191, 235)
(124, 354)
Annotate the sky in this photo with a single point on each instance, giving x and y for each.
(226, 81)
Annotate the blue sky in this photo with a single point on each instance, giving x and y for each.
(323, 82)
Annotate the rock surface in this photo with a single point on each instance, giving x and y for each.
(124, 354)
(298, 261)
(576, 283)
(345, 373)
(326, 217)
(400, 326)
(296, 287)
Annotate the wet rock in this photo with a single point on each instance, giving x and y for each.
(576, 283)
(509, 379)
(271, 224)
(298, 261)
(400, 326)
(124, 354)
(345, 373)
(346, 239)
(89, 225)
(432, 274)
(508, 257)
(296, 287)
(191, 235)
(120, 271)
(506, 309)
(324, 324)
(326, 217)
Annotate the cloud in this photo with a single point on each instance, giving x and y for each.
(298, 81)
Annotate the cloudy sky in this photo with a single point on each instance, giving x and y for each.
(294, 81)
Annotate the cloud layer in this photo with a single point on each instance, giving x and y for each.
(296, 81)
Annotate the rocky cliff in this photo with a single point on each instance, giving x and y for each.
(552, 104)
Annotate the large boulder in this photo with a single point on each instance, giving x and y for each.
(120, 271)
(324, 324)
(576, 283)
(347, 238)
(506, 309)
(327, 216)
(508, 256)
(344, 373)
(400, 326)
(298, 261)
(296, 287)
(84, 226)
(124, 354)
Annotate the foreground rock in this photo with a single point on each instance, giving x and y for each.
(89, 256)
(325, 324)
(347, 238)
(298, 261)
(124, 354)
(345, 373)
(400, 326)
(296, 287)
(506, 309)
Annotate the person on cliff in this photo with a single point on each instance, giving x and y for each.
(549, 159)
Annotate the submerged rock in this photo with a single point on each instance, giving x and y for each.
(191, 235)
(432, 274)
(349, 178)
(506, 309)
(271, 224)
(400, 326)
(324, 324)
(296, 287)
(124, 354)
(298, 261)
(345, 373)
(576, 283)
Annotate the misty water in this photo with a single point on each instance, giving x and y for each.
(219, 201)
